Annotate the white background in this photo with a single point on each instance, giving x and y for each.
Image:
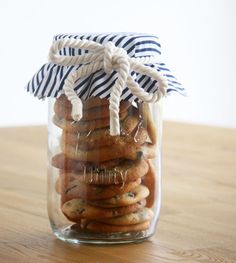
(198, 43)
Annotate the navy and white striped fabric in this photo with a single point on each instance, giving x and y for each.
(49, 80)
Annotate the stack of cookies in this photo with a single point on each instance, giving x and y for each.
(106, 182)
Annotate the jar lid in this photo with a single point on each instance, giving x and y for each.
(50, 79)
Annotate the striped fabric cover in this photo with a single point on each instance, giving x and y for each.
(49, 80)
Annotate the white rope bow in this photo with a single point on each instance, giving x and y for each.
(107, 57)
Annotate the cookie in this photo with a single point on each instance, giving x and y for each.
(60, 161)
(149, 124)
(125, 172)
(64, 163)
(150, 181)
(101, 138)
(130, 152)
(63, 102)
(148, 150)
(95, 102)
(117, 151)
(133, 196)
(76, 189)
(89, 114)
(131, 133)
(99, 227)
(77, 209)
(58, 185)
(137, 217)
(83, 126)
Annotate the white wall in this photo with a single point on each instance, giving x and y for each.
(198, 41)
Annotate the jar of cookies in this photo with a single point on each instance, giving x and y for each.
(104, 135)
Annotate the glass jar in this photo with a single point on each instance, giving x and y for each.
(104, 134)
(104, 189)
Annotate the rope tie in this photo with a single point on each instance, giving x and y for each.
(109, 58)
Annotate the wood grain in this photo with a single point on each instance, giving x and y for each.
(198, 216)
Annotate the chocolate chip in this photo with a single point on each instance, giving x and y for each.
(139, 155)
(115, 213)
(67, 190)
(130, 194)
(80, 210)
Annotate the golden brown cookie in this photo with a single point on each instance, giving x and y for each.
(58, 185)
(132, 133)
(103, 139)
(148, 150)
(137, 217)
(133, 196)
(83, 126)
(89, 114)
(148, 121)
(63, 102)
(150, 181)
(77, 209)
(126, 151)
(125, 172)
(60, 161)
(106, 228)
(95, 102)
(123, 150)
(76, 189)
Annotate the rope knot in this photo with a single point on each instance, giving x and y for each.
(112, 55)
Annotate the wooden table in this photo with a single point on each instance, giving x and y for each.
(198, 217)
